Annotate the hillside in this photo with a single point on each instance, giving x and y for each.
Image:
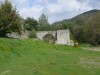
(85, 27)
(86, 16)
(33, 57)
(82, 17)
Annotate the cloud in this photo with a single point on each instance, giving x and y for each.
(66, 9)
(31, 11)
(56, 10)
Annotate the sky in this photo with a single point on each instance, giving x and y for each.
(55, 10)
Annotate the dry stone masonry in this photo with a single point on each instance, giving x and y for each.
(62, 36)
(41, 34)
(16, 35)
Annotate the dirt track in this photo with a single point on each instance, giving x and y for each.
(92, 48)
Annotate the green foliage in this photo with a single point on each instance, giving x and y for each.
(30, 24)
(62, 25)
(43, 23)
(84, 27)
(9, 18)
(73, 38)
(32, 34)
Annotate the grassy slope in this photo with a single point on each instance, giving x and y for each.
(31, 57)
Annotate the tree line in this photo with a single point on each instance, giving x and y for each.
(11, 21)
(84, 28)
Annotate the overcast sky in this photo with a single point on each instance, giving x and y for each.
(56, 10)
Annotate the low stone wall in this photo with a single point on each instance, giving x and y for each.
(62, 36)
(16, 35)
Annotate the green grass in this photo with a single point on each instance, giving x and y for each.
(32, 57)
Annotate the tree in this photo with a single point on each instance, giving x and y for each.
(43, 22)
(91, 30)
(30, 24)
(9, 19)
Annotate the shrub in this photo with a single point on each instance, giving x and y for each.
(32, 34)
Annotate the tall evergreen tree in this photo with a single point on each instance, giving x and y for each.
(43, 22)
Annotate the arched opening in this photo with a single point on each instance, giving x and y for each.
(49, 38)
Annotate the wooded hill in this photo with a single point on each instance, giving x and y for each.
(84, 27)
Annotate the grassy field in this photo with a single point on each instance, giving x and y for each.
(32, 57)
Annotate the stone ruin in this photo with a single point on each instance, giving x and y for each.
(62, 36)
(16, 35)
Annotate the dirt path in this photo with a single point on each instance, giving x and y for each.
(92, 48)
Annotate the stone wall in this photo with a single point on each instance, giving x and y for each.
(16, 35)
(41, 34)
(62, 36)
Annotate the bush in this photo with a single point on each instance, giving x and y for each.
(49, 38)
(32, 34)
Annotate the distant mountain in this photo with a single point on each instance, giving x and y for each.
(81, 18)
(87, 14)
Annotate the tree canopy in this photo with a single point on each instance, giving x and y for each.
(43, 22)
(9, 18)
(30, 24)
(85, 27)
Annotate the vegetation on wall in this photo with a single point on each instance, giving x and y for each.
(32, 34)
